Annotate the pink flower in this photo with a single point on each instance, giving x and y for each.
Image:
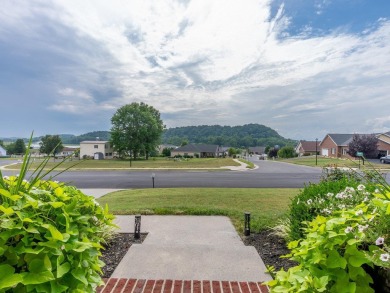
(380, 241)
(385, 257)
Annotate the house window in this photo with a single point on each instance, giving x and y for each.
(345, 151)
(96, 146)
(333, 151)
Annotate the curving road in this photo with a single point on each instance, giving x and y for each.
(268, 174)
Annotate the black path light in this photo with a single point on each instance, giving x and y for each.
(137, 227)
(316, 150)
(247, 230)
(153, 176)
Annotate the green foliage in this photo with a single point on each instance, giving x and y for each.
(336, 251)
(321, 199)
(166, 152)
(136, 128)
(50, 235)
(51, 144)
(287, 152)
(234, 136)
(73, 139)
(16, 148)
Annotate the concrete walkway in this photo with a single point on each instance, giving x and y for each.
(189, 248)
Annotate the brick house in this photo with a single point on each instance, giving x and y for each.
(307, 148)
(383, 144)
(335, 145)
(201, 150)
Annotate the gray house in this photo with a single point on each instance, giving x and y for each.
(201, 150)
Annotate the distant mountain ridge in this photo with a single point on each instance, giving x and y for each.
(248, 135)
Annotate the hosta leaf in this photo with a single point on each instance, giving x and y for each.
(7, 276)
(56, 204)
(79, 274)
(6, 211)
(57, 288)
(54, 232)
(335, 260)
(63, 269)
(37, 278)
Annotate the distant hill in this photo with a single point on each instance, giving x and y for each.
(236, 136)
(73, 139)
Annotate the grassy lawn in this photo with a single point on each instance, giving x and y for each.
(325, 162)
(205, 163)
(266, 205)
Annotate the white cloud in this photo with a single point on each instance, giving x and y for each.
(205, 62)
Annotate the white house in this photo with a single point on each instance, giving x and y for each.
(97, 149)
(3, 152)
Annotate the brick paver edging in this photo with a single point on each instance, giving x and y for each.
(122, 285)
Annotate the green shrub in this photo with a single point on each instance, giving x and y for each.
(337, 251)
(50, 235)
(329, 195)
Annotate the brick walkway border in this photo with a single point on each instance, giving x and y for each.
(115, 285)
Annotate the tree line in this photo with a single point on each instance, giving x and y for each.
(248, 135)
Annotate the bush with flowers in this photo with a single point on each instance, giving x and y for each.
(329, 195)
(341, 247)
(50, 235)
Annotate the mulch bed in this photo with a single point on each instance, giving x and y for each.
(269, 247)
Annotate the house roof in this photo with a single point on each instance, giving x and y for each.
(258, 149)
(200, 148)
(341, 139)
(94, 141)
(309, 146)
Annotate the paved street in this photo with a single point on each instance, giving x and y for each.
(269, 174)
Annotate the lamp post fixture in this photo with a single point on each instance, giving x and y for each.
(153, 176)
(247, 224)
(137, 227)
(316, 150)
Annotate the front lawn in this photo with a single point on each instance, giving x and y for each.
(266, 205)
(152, 163)
(331, 162)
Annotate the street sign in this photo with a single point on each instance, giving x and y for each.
(359, 154)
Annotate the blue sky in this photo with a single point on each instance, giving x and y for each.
(304, 68)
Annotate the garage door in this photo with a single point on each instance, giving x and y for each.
(325, 152)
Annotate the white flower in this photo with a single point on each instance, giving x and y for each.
(359, 213)
(361, 228)
(385, 257)
(380, 241)
(6, 178)
(348, 230)
(349, 189)
(309, 202)
(365, 199)
(342, 206)
(326, 211)
(361, 187)
(377, 190)
(329, 194)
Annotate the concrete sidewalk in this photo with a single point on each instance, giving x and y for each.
(189, 248)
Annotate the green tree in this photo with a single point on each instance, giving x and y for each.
(136, 128)
(19, 146)
(51, 144)
(166, 152)
(286, 152)
(1, 143)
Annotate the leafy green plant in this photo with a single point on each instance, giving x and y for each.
(329, 195)
(50, 234)
(337, 250)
